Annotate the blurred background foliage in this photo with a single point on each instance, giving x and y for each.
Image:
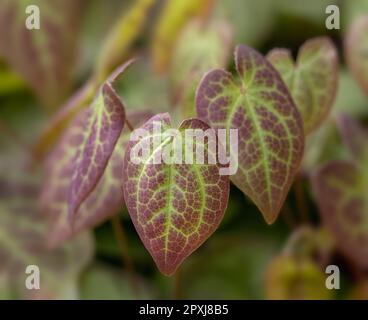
(245, 258)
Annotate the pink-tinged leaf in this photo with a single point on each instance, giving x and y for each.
(104, 201)
(102, 126)
(312, 79)
(341, 192)
(356, 51)
(44, 57)
(355, 137)
(174, 207)
(270, 129)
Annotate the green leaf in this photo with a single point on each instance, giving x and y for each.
(356, 51)
(174, 207)
(312, 80)
(45, 57)
(123, 34)
(174, 16)
(199, 48)
(270, 129)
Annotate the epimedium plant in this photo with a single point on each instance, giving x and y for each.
(274, 102)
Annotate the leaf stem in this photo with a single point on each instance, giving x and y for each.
(121, 240)
(300, 198)
(129, 125)
(288, 216)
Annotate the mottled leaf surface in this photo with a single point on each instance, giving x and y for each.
(106, 198)
(44, 57)
(102, 125)
(174, 16)
(174, 207)
(270, 129)
(23, 242)
(341, 190)
(356, 51)
(312, 79)
(200, 48)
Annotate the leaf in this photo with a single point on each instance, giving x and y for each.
(174, 16)
(124, 33)
(287, 278)
(23, 241)
(355, 138)
(174, 207)
(340, 189)
(103, 123)
(104, 201)
(356, 51)
(56, 126)
(199, 48)
(45, 57)
(270, 130)
(312, 80)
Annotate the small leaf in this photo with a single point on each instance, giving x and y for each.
(356, 51)
(341, 190)
(174, 207)
(355, 137)
(102, 126)
(270, 130)
(199, 48)
(312, 80)
(104, 201)
(45, 57)
(124, 33)
(173, 18)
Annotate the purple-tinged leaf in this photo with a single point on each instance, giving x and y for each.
(44, 57)
(356, 51)
(104, 201)
(355, 137)
(174, 207)
(270, 129)
(102, 126)
(312, 79)
(341, 192)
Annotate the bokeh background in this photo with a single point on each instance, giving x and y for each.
(245, 258)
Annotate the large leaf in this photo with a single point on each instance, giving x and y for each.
(102, 125)
(124, 33)
(23, 242)
(312, 80)
(44, 57)
(356, 51)
(199, 48)
(174, 207)
(104, 201)
(173, 18)
(270, 129)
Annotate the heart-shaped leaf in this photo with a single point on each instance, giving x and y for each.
(341, 190)
(105, 200)
(44, 57)
(23, 242)
(312, 80)
(174, 16)
(270, 129)
(199, 48)
(356, 51)
(103, 123)
(174, 207)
